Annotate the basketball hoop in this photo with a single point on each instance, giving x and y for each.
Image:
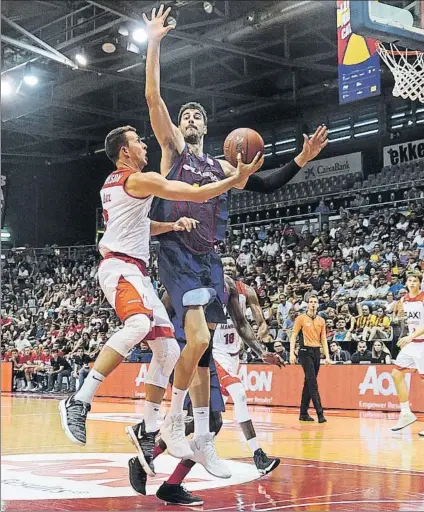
(407, 67)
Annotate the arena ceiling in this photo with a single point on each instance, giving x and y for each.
(259, 58)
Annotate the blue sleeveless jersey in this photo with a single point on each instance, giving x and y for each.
(212, 215)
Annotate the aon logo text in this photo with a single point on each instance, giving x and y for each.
(380, 384)
(141, 377)
(255, 381)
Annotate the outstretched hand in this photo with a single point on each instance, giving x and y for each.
(155, 28)
(312, 146)
(245, 170)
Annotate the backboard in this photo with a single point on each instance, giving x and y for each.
(389, 23)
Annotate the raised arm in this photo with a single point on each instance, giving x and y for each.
(168, 135)
(277, 179)
(144, 184)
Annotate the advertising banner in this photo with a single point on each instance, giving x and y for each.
(358, 60)
(329, 167)
(357, 387)
(6, 376)
(403, 153)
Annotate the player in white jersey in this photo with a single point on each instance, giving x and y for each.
(411, 356)
(126, 198)
(227, 344)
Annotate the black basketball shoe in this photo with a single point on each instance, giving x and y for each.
(264, 463)
(137, 476)
(144, 442)
(73, 415)
(176, 494)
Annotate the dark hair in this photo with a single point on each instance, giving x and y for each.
(415, 273)
(115, 140)
(192, 105)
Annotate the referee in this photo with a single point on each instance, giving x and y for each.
(312, 336)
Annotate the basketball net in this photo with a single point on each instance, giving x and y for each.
(407, 67)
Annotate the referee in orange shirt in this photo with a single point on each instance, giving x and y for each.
(312, 336)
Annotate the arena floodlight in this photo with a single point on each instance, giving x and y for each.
(29, 77)
(208, 7)
(171, 20)
(81, 58)
(123, 31)
(139, 35)
(6, 88)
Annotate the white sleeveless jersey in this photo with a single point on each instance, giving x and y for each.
(127, 223)
(414, 311)
(226, 338)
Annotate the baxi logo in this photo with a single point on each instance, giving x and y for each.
(97, 475)
(381, 384)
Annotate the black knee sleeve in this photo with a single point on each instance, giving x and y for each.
(206, 358)
(215, 421)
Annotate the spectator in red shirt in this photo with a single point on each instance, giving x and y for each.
(325, 262)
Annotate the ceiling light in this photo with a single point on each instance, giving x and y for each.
(81, 59)
(31, 80)
(109, 47)
(29, 77)
(208, 7)
(170, 20)
(123, 31)
(6, 88)
(140, 35)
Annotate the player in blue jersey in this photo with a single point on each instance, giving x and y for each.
(189, 268)
(171, 491)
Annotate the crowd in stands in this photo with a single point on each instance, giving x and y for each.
(55, 319)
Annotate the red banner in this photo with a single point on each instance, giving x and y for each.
(6, 376)
(368, 387)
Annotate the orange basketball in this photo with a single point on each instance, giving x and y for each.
(244, 141)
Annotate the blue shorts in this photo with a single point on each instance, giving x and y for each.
(180, 272)
(216, 401)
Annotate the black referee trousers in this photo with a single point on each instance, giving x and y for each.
(309, 358)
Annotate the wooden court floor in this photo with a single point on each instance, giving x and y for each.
(353, 462)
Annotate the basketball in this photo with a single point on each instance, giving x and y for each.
(244, 141)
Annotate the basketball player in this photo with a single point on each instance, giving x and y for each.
(189, 268)
(411, 356)
(312, 336)
(126, 198)
(227, 344)
(172, 491)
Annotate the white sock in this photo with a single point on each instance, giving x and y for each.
(151, 416)
(201, 420)
(253, 444)
(89, 388)
(404, 407)
(177, 400)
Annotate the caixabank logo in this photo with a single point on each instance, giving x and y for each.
(98, 475)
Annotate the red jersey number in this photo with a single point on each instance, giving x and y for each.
(105, 218)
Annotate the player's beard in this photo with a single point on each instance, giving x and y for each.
(193, 137)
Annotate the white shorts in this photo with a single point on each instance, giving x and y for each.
(227, 367)
(411, 357)
(129, 290)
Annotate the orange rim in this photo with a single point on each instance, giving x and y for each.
(397, 53)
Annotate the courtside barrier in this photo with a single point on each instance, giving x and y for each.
(357, 387)
(6, 370)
